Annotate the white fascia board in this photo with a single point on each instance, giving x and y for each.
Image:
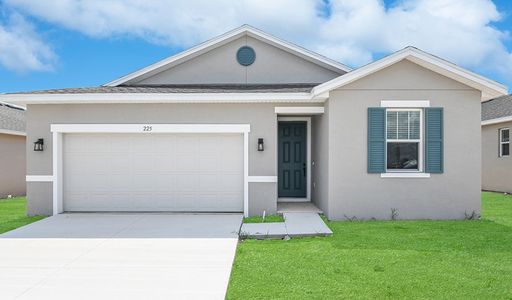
(295, 49)
(265, 179)
(150, 128)
(158, 98)
(299, 110)
(12, 132)
(497, 121)
(39, 178)
(405, 103)
(224, 39)
(405, 175)
(488, 87)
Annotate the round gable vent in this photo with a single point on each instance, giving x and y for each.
(245, 56)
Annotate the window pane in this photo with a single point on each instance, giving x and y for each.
(403, 125)
(505, 135)
(402, 156)
(391, 124)
(505, 149)
(414, 121)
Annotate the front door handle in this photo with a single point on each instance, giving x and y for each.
(304, 169)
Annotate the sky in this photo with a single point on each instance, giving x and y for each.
(81, 43)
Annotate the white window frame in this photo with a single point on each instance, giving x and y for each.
(503, 143)
(419, 141)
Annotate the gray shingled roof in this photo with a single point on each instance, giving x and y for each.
(12, 118)
(186, 88)
(497, 108)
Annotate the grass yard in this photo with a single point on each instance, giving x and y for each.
(385, 259)
(13, 214)
(268, 219)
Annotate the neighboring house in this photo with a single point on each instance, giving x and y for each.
(245, 121)
(496, 133)
(12, 151)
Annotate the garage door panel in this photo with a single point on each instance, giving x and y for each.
(186, 182)
(164, 163)
(209, 163)
(117, 164)
(165, 182)
(186, 163)
(209, 182)
(153, 172)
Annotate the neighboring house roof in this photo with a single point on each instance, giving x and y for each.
(12, 119)
(489, 88)
(497, 110)
(224, 39)
(186, 88)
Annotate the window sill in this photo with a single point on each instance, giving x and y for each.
(404, 175)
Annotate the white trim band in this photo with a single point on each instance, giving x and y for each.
(405, 103)
(39, 178)
(297, 110)
(497, 120)
(405, 175)
(262, 179)
(151, 128)
(13, 132)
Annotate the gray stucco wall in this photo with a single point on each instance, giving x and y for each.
(320, 160)
(12, 165)
(219, 66)
(261, 117)
(354, 192)
(496, 171)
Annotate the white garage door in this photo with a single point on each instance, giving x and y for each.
(153, 172)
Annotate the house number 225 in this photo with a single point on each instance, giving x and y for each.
(147, 128)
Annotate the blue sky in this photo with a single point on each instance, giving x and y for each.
(71, 44)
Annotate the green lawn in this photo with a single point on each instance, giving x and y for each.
(385, 259)
(268, 219)
(13, 214)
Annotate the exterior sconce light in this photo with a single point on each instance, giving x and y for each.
(260, 145)
(38, 145)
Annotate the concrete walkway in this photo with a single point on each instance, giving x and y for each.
(296, 224)
(120, 256)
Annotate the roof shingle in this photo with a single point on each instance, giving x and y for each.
(185, 88)
(12, 118)
(497, 108)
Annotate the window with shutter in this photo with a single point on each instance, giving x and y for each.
(408, 140)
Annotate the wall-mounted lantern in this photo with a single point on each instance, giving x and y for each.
(260, 145)
(38, 145)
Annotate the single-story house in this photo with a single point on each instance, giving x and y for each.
(12, 150)
(246, 121)
(496, 132)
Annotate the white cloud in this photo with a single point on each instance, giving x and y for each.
(21, 49)
(353, 32)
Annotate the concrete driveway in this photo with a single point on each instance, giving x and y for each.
(120, 256)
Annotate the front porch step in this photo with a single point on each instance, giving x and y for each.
(295, 225)
(297, 207)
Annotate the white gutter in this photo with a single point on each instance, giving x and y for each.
(24, 99)
(497, 120)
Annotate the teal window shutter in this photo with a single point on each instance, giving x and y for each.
(434, 140)
(376, 140)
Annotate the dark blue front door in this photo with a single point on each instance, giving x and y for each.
(292, 159)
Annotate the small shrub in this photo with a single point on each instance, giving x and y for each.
(394, 213)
